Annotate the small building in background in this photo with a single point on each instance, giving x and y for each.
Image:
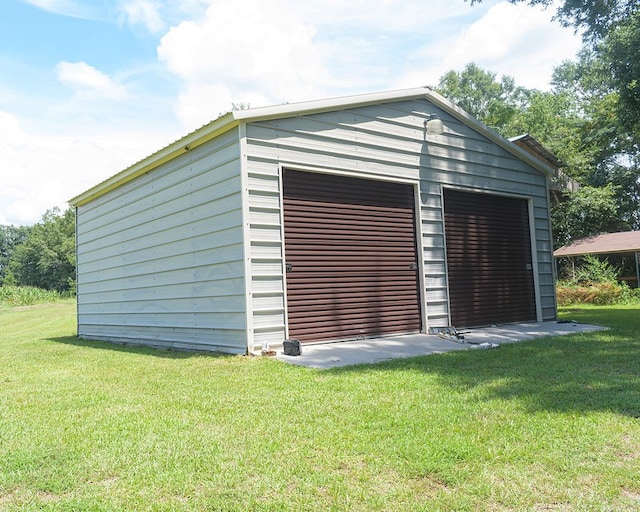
(623, 248)
(560, 185)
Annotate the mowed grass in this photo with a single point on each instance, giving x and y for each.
(547, 425)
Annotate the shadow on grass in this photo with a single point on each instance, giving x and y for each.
(168, 353)
(597, 371)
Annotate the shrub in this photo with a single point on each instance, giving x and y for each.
(593, 281)
(590, 269)
(594, 293)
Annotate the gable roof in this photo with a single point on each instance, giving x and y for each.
(233, 119)
(610, 243)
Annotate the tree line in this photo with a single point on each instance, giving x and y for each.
(590, 119)
(42, 255)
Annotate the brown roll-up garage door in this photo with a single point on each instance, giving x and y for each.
(351, 257)
(488, 259)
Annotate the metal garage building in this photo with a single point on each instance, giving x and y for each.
(326, 220)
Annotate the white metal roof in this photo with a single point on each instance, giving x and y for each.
(232, 119)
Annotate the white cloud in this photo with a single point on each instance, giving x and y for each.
(40, 171)
(516, 40)
(142, 12)
(259, 50)
(87, 81)
(521, 39)
(279, 51)
(285, 50)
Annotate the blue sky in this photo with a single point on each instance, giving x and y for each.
(89, 87)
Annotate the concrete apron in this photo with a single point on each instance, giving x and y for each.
(374, 350)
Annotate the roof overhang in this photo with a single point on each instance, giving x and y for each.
(233, 119)
(610, 243)
(533, 145)
(194, 139)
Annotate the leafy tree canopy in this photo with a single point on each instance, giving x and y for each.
(577, 121)
(494, 102)
(596, 17)
(611, 33)
(588, 211)
(10, 238)
(46, 258)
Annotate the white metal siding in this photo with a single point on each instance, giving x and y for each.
(384, 141)
(160, 259)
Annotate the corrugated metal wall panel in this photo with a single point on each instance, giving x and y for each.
(216, 339)
(196, 163)
(101, 295)
(364, 142)
(161, 259)
(351, 257)
(94, 262)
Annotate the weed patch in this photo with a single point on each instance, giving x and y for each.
(12, 296)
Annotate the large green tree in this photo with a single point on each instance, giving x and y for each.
(588, 211)
(620, 52)
(46, 259)
(595, 17)
(611, 32)
(10, 238)
(575, 121)
(493, 101)
(608, 145)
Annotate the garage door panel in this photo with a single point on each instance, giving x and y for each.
(326, 330)
(489, 259)
(301, 295)
(321, 279)
(351, 255)
(318, 253)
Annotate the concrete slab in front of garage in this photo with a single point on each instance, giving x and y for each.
(375, 350)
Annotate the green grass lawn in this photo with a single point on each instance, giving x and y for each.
(547, 425)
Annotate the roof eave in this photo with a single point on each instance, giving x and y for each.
(558, 253)
(607, 243)
(196, 138)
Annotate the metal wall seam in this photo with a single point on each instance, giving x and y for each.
(77, 296)
(420, 257)
(246, 236)
(534, 259)
(283, 251)
(446, 256)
